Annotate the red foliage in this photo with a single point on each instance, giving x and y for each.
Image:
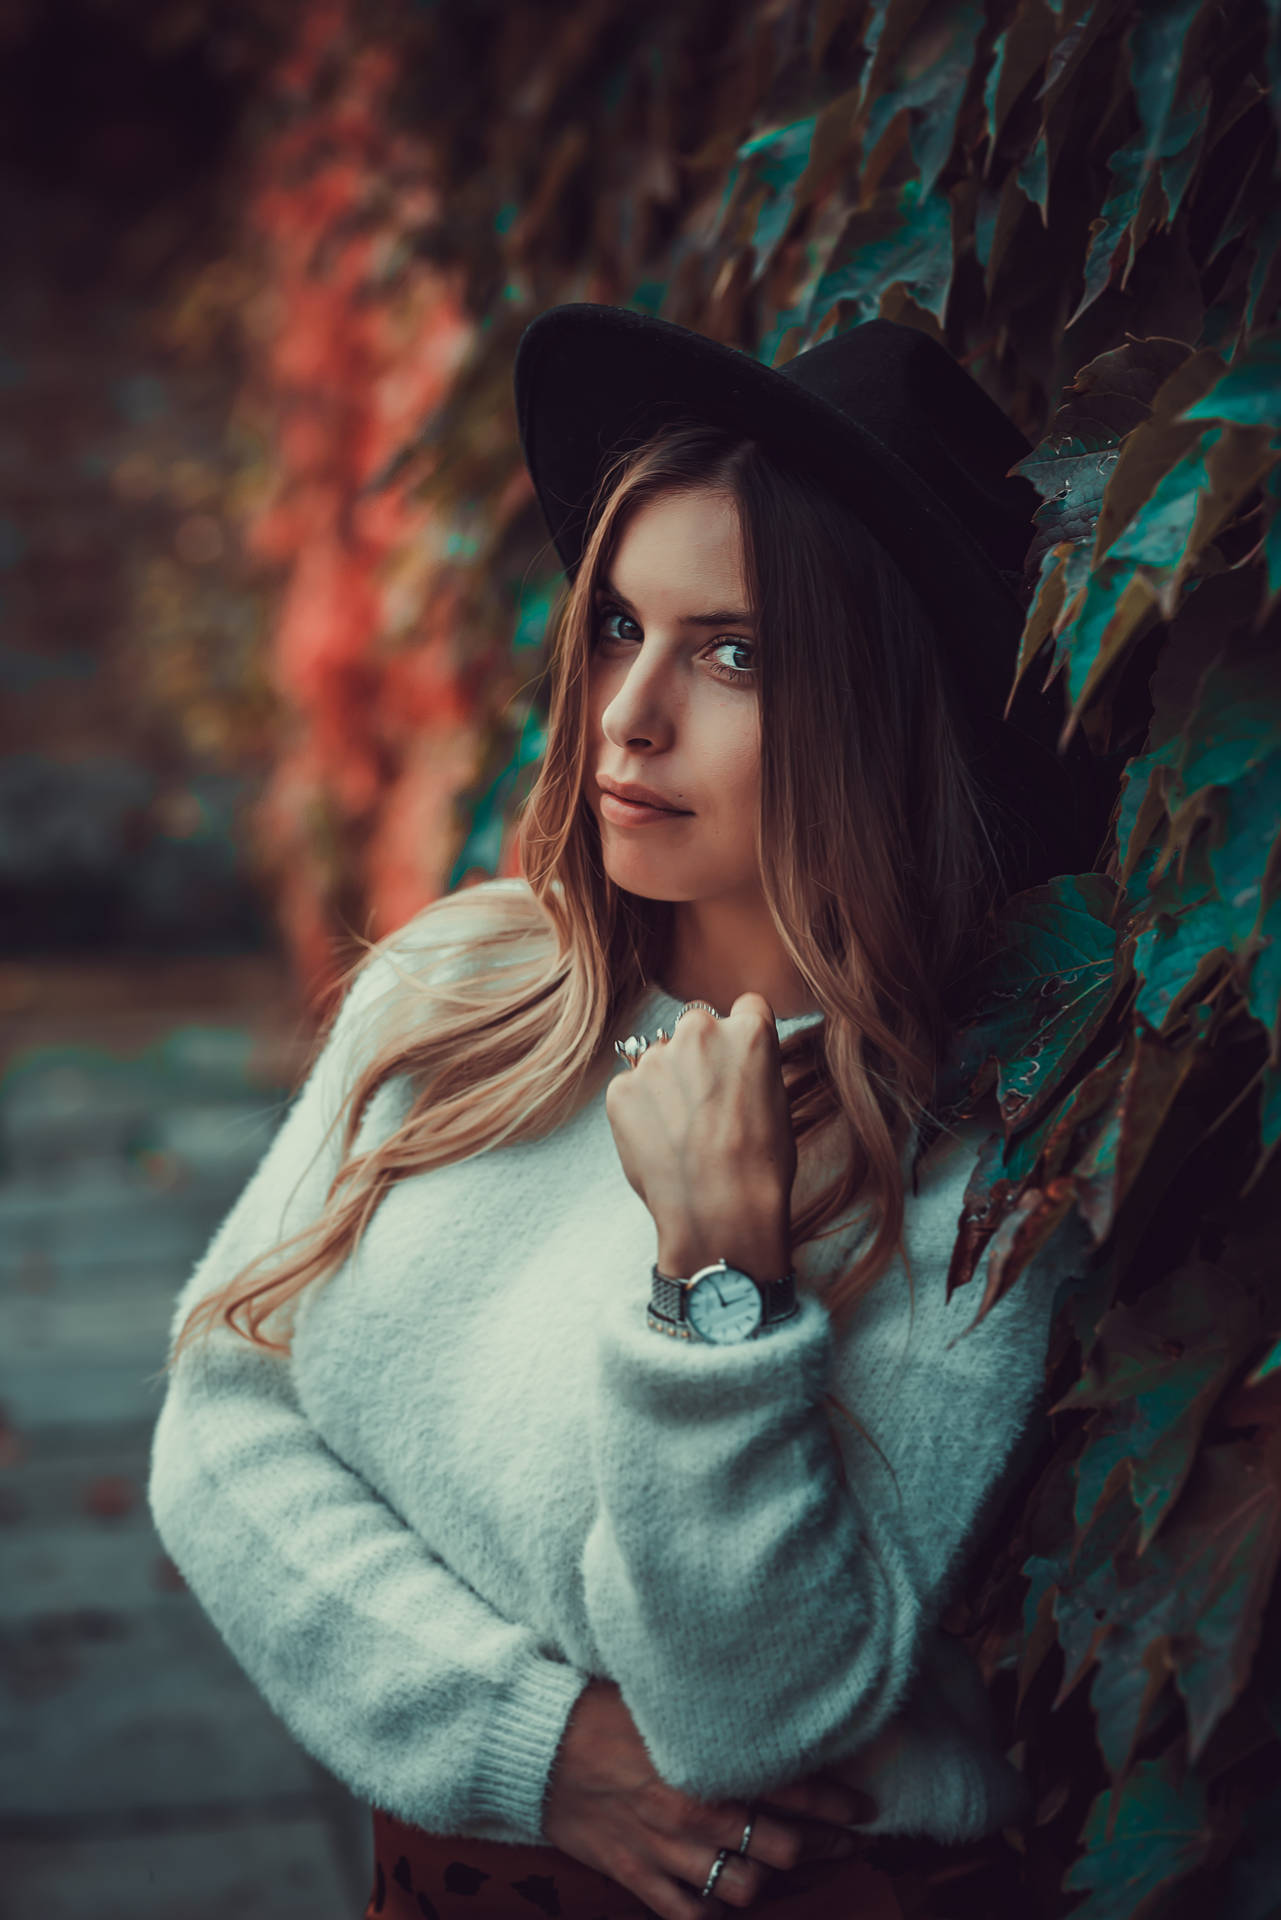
(352, 356)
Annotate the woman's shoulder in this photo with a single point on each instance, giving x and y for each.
(486, 927)
(461, 932)
(455, 922)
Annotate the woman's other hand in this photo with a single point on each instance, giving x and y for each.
(608, 1808)
(704, 1134)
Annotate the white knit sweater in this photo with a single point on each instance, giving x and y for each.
(482, 1480)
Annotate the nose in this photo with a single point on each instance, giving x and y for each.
(640, 711)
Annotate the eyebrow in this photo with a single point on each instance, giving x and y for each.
(725, 617)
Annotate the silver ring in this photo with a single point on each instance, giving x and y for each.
(661, 1033)
(706, 1006)
(632, 1048)
(718, 1868)
(746, 1840)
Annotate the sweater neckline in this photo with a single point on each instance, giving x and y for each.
(658, 1007)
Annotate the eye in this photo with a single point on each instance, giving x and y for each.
(735, 646)
(604, 616)
(607, 615)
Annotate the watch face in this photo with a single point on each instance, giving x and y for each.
(724, 1306)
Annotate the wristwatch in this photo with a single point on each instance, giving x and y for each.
(720, 1304)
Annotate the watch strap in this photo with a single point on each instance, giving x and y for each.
(667, 1302)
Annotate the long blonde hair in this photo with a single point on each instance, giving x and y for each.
(877, 864)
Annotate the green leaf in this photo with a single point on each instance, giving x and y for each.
(1018, 52)
(1201, 1587)
(1272, 540)
(1160, 440)
(902, 239)
(1267, 240)
(1220, 1552)
(1263, 988)
(929, 82)
(1108, 230)
(1106, 403)
(1109, 1165)
(1116, 607)
(1080, 1617)
(1250, 1883)
(1270, 1363)
(1158, 534)
(1175, 955)
(1155, 1371)
(1143, 805)
(1172, 133)
(1272, 12)
(483, 844)
(1240, 846)
(532, 614)
(1249, 393)
(778, 159)
(1070, 471)
(1033, 176)
(1236, 722)
(1041, 996)
(1160, 1833)
(1269, 1112)
(992, 85)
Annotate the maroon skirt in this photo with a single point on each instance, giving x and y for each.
(427, 1876)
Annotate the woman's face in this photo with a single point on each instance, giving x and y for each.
(673, 706)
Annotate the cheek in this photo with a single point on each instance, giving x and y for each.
(732, 761)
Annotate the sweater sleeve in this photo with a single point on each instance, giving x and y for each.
(384, 1665)
(762, 1618)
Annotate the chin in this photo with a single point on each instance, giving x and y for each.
(643, 876)
(646, 886)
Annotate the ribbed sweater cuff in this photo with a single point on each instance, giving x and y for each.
(516, 1764)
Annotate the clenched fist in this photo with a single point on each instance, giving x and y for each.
(705, 1138)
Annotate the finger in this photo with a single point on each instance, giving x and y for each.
(783, 1844)
(738, 1883)
(695, 1020)
(753, 1003)
(821, 1799)
(665, 1895)
(773, 1842)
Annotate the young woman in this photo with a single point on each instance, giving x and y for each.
(567, 1430)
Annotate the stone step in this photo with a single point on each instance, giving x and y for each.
(128, 1725)
(141, 1772)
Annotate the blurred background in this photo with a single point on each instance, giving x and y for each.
(273, 589)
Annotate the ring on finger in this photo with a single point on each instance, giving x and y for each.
(718, 1868)
(746, 1840)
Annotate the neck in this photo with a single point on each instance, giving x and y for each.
(721, 948)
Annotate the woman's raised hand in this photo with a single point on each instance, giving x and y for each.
(608, 1808)
(704, 1135)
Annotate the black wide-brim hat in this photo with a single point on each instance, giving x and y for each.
(883, 416)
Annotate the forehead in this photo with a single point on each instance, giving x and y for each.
(678, 544)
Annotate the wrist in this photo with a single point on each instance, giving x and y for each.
(762, 1254)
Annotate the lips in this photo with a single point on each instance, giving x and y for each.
(641, 797)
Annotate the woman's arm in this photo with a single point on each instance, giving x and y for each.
(753, 1618)
(383, 1664)
(761, 1618)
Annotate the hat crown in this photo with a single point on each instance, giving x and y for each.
(899, 385)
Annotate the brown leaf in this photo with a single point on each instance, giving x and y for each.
(1107, 1169)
